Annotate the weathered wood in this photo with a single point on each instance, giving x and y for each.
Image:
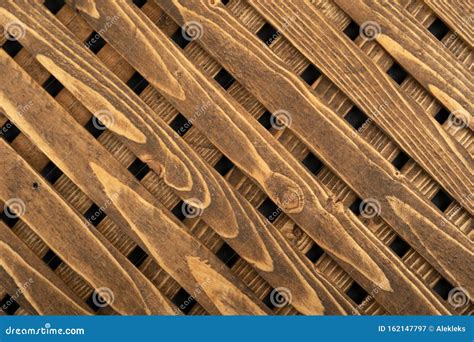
(373, 91)
(225, 115)
(356, 162)
(125, 200)
(419, 53)
(99, 90)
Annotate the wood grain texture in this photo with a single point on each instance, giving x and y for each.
(228, 259)
(419, 53)
(138, 213)
(189, 76)
(257, 242)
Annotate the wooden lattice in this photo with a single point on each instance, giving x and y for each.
(236, 157)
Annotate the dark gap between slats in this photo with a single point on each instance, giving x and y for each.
(355, 206)
(400, 160)
(310, 74)
(137, 83)
(442, 200)
(227, 255)
(138, 169)
(397, 73)
(9, 220)
(225, 2)
(442, 115)
(356, 293)
(438, 29)
(51, 172)
(265, 120)
(95, 215)
(184, 301)
(180, 124)
(12, 47)
(268, 299)
(137, 256)
(267, 34)
(178, 211)
(179, 39)
(95, 127)
(355, 117)
(223, 166)
(269, 209)
(139, 3)
(399, 247)
(315, 253)
(352, 30)
(52, 86)
(224, 79)
(442, 287)
(10, 304)
(312, 163)
(54, 5)
(94, 42)
(9, 131)
(52, 260)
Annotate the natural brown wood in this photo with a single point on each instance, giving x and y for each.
(316, 251)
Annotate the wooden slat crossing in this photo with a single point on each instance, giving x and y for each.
(393, 261)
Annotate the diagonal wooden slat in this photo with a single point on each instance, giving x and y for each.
(458, 15)
(356, 162)
(256, 241)
(427, 60)
(38, 288)
(127, 202)
(240, 133)
(375, 93)
(75, 243)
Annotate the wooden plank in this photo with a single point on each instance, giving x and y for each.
(110, 186)
(230, 128)
(421, 54)
(35, 286)
(373, 91)
(75, 243)
(357, 163)
(258, 242)
(458, 15)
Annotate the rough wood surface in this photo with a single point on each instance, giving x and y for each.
(396, 252)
